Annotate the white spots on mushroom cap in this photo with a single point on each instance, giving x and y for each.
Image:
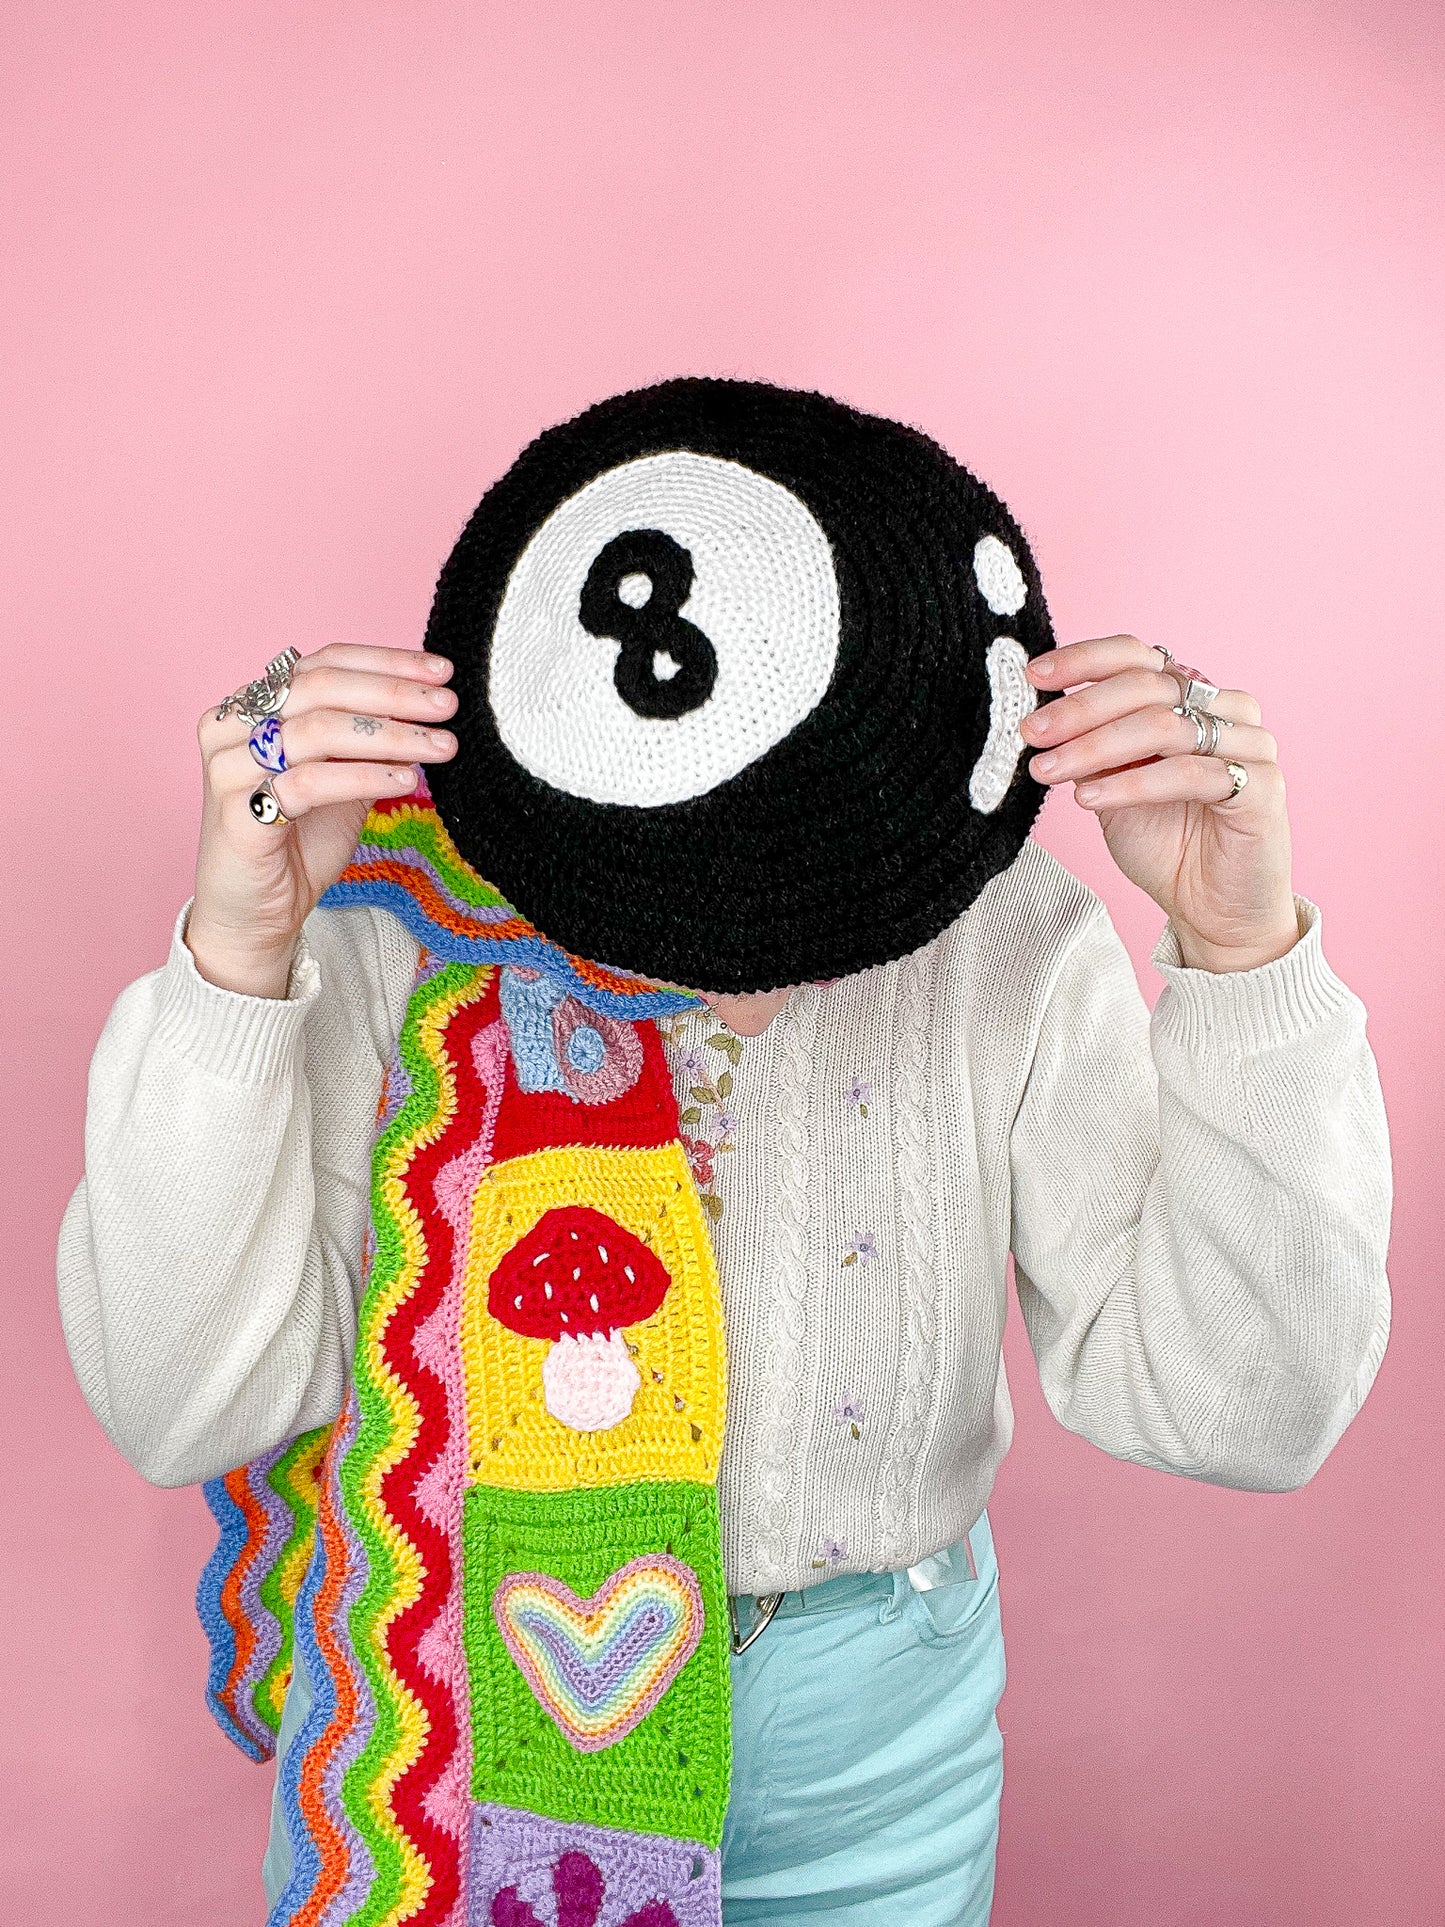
(999, 578)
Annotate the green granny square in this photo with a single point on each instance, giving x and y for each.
(597, 1648)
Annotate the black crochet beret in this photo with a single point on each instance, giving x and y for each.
(740, 678)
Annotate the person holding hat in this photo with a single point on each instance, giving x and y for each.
(560, 1202)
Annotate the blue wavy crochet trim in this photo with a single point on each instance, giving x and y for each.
(233, 1534)
(383, 894)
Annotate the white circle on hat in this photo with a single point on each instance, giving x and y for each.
(1000, 579)
(764, 593)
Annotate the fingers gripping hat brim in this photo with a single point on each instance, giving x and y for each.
(740, 672)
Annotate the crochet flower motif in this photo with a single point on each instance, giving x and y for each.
(860, 1095)
(862, 1251)
(578, 1884)
(850, 1411)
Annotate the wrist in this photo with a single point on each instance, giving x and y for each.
(1266, 946)
(245, 965)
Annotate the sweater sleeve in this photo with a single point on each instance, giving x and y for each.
(1201, 1208)
(209, 1260)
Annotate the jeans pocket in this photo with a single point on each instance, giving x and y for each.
(949, 1590)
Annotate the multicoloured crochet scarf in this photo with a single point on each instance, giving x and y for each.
(500, 1568)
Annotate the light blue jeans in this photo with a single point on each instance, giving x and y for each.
(867, 1757)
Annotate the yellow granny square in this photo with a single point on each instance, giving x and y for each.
(644, 1401)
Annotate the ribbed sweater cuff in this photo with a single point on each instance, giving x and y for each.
(1249, 1010)
(244, 1039)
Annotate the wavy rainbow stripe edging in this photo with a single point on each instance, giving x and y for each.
(246, 1596)
(406, 862)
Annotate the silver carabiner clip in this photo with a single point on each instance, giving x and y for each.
(767, 1604)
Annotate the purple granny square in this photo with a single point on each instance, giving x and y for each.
(530, 1872)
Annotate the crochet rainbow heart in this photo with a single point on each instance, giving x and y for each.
(598, 1666)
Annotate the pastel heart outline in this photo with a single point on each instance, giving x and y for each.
(598, 1666)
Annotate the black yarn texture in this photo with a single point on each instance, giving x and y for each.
(848, 844)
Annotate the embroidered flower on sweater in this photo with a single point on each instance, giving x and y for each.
(860, 1095)
(699, 1156)
(850, 1411)
(715, 1135)
(862, 1251)
(832, 1552)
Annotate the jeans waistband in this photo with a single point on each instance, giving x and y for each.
(954, 1565)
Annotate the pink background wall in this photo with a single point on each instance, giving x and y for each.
(296, 282)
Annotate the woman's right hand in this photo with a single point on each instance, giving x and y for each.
(356, 721)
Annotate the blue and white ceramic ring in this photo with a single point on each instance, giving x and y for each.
(265, 745)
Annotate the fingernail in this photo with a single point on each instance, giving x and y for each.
(440, 696)
(1086, 792)
(438, 663)
(1044, 765)
(439, 738)
(407, 776)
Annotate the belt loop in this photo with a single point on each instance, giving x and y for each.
(893, 1604)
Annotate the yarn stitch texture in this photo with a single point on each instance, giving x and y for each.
(813, 814)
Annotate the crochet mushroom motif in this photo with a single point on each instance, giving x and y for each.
(577, 1280)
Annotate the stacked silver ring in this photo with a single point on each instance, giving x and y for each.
(259, 703)
(1206, 741)
(265, 696)
(1195, 696)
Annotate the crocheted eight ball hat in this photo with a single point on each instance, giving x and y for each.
(740, 673)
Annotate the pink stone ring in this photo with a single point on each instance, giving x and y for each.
(1197, 690)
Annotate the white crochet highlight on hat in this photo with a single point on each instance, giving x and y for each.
(999, 578)
(1011, 697)
(764, 593)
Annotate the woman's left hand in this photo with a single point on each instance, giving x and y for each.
(1217, 864)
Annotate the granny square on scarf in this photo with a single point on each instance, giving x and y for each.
(740, 675)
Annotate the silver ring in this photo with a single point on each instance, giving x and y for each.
(266, 695)
(264, 806)
(1196, 716)
(1167, 654)
(1239, 776)
(1198, 694)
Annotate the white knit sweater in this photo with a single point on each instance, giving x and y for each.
(1198, 1211)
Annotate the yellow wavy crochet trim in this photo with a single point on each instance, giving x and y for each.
(675, 1428)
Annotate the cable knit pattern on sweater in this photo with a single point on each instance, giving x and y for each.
(917, 976)
(1204, 1290)
(781, 1366)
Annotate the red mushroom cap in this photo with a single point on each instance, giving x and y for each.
(577, 1272)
